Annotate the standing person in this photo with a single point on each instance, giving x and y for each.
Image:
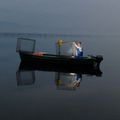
(78, 49)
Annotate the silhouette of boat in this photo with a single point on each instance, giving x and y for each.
(38, 60)
(27, 66)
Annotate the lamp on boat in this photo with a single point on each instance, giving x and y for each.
(60, 42)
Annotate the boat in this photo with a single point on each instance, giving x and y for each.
(27, 66)
(32, 58)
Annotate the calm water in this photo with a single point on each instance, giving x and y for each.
(41, 98)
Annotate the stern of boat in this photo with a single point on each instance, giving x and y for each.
(98, 60)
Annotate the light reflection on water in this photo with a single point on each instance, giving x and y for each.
(42, 97)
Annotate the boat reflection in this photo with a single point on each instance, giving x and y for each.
(43, 67)
(64, 80)
(68, 81)
(25, 77)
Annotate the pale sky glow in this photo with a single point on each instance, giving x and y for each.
(87, 16)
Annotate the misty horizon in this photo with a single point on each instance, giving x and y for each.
(62, 17)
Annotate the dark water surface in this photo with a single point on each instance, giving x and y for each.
(97, 98)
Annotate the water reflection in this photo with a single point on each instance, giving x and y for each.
(63, 80)
(68, 81)
(25, 77)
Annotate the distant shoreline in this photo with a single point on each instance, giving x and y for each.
(55, 34)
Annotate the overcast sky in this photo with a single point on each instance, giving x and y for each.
(70, 16)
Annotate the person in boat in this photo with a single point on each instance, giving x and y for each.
(78, 49)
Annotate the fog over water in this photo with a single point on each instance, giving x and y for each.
(96, 23)
(64, 16)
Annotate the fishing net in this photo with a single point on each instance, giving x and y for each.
(65, 48)
(26, 45)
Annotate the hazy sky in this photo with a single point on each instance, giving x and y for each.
(71, 16)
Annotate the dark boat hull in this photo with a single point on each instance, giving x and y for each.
(39, 67)
(61, 63)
